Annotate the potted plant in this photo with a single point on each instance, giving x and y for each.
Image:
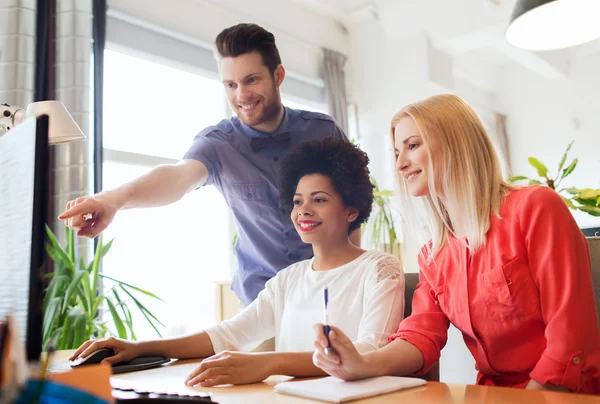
(380, 231)
(74, 303)
(586, 199)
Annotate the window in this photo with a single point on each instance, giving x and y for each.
(151, 114)
(298, 103)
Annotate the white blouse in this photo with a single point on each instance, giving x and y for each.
(366, 301)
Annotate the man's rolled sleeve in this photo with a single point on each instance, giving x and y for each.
(204, 151)
(426, 328)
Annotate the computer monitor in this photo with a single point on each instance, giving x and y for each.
(23, 205)
(591, 231)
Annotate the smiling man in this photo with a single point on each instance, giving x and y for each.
(240, 156)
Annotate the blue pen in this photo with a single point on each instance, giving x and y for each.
(326, 327)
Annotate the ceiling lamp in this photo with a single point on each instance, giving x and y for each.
(540, 25)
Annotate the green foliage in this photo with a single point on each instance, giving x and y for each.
(72, 306)
(586, 199)
(380, 231)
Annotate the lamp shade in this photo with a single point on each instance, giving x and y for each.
(540, 25)
(62, 128)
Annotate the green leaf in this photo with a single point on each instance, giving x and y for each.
(123, 308)
(592, 210)
(62, 256)
(517, 178)
(50, 317)
(585, 202)
(56, 288)
(384, 193)
(117, 320)
(144, 311)
(564, 158)
(87, 295)
(569, 169)
(66, 333)
(589, 193)
(535, 182)
(152, 323)
(52, 340)
(572, 191)
(106, 248)
(140, 305)
(97, 304)
(539, 166)
(132, 287)
(70, 243)
(80, 330)
(72, 287)
(569, 203)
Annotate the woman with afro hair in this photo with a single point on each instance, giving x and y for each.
(327, 190)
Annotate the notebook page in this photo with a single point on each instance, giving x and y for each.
(338, 391)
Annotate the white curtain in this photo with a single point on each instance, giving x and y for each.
(72, 162)
(335, 86)
(17, 51)
(503, 142)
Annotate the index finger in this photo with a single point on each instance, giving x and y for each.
(95, 345)
(76, 210)
(80, 349)
(197, 370)
(320, 335)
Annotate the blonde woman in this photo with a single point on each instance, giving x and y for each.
(507, 266)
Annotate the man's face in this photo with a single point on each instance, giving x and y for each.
(252, 92)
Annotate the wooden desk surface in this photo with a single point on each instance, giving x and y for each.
(170, 378)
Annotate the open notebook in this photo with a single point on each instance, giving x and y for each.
(338, 391)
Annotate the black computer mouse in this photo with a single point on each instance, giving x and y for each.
(94, 358)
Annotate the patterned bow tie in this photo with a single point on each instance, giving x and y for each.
(258, 143)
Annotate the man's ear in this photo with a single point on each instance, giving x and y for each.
(352, 214)
(279, 75)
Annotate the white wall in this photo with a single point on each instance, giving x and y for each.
(299, 33)
(544, 116)
(386, 74)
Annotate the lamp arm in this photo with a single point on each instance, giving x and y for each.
(10, 116)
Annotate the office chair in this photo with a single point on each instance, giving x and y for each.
(594, 244)
(410, 284)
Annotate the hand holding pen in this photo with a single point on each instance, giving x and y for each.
(335, 352)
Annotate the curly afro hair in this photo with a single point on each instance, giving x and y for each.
(343, 162)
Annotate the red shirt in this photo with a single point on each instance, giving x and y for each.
(524, 302)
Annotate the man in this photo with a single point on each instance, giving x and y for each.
(240, 156)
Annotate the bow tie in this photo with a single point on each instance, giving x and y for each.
(258, 143)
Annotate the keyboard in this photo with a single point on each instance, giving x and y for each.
(131, 397)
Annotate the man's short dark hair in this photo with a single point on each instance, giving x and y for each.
(343, 162)
(246, 38)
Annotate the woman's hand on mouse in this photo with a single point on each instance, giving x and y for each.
(124, 350)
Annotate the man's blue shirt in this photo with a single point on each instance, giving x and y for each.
(249, 181)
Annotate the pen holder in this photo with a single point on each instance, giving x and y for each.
(92, 379)
(49, 392)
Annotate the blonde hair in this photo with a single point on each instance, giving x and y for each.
(465, 178)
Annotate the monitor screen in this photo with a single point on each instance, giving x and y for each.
(23, 195)
(591, 231)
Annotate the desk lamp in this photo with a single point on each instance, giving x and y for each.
(62, 128)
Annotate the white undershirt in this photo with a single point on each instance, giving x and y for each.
(366, 301)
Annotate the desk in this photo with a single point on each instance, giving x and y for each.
(171, 377)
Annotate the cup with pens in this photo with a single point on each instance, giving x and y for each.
(326, 328)
(43, 391)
